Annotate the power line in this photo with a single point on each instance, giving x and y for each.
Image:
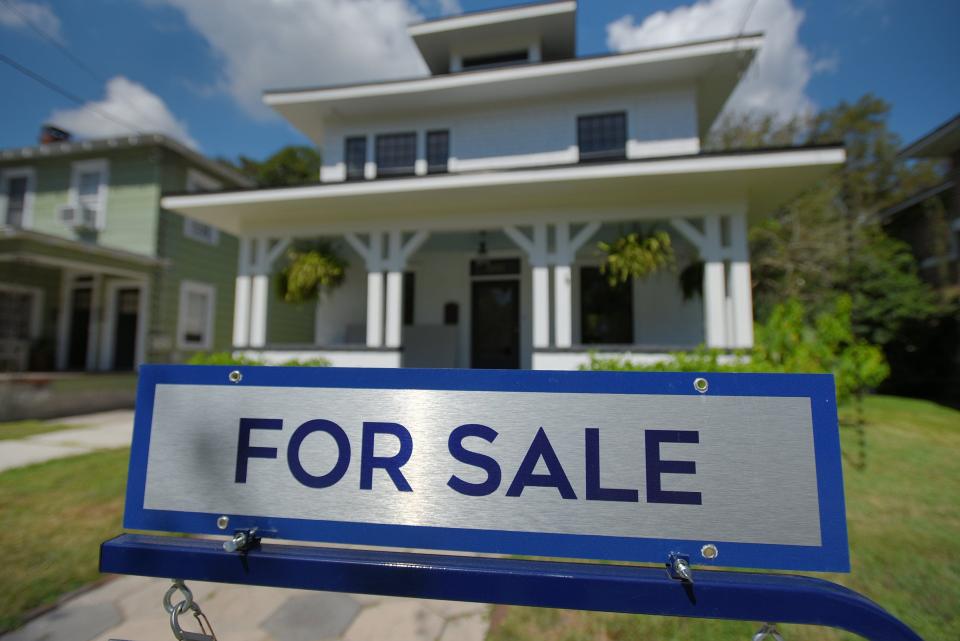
(50, 38)
(49, 84)
(743, 23)
(55, 42)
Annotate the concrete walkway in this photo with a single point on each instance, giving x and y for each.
(129, 608)
(93, 432)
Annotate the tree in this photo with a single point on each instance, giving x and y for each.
(290, 166)
(828, 240)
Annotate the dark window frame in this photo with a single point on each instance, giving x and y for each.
(409, 297)
(354, 172)
(610, 131)
(434, 166)
(609, 297)
(381, 154)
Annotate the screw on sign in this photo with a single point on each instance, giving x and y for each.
(672, 469)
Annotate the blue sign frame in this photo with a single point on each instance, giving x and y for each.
(831, 556)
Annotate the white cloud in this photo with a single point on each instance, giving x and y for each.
(127, 102)
(776, 82)
(275, 44)
(18, 14)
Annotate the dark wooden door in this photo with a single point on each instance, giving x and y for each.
(125, 329)
(495, 326)
(82, 299)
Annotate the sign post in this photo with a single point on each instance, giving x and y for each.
(682, 470)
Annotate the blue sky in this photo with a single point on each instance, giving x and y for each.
(195, 69)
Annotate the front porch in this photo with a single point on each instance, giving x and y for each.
(499, 269)
(527, 296)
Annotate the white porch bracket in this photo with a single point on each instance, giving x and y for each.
(536, 250)
(256, 258)
(565, 252)
(398, 252)
(727, 298)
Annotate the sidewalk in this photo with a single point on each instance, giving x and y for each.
(129, 608)
(94, 432)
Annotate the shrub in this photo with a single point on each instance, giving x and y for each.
(228, 358)
(786, 343)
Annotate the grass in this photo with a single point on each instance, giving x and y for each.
(22, 429)
(904, 523)
(53, 517)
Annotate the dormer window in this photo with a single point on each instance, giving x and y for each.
(602, 136)
(496, 60)
(396, 154)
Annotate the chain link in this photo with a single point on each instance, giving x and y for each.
(187, 604)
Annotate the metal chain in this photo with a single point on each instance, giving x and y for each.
(768, 630)
(187, 604)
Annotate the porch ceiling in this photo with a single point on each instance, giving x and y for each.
(757, 181)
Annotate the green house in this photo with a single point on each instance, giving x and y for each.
(94, 274)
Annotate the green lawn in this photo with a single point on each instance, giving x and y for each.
(22, 429)
(53, 517)
(904, 524)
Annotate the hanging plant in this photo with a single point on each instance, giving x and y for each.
(310, 270)
(636, 255)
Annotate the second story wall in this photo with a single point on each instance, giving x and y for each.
(658, 122)
(127, 198)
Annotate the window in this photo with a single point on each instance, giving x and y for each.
(409, 295)
(16, 197)
(194, 229)
(21, 310)
(602, 136)
(195, 317)
(396, 154)
(355, 156)
(438, 151)
(88, 188)
(606, 313)
(497, 59)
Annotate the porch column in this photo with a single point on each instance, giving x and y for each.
(398, 253)
(709, 244)
(536, 250)
(714, 285)
(565, 253)
(741, 291)
(241, 297)
(372, 254)
(265, 254)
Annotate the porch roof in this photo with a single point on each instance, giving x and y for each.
(34, 247)
(657, 187)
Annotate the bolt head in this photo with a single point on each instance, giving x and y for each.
(235, 376)
(709, 551)
(223, 522)
(701, 385)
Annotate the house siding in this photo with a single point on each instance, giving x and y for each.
(132, 199)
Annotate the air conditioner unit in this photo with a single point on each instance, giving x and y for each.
(77, 216)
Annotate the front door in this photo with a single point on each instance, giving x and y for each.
(79, 327)
(125, 324)
(495, 325)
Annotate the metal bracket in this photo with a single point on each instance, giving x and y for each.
(743, 596)
(678, 568)
(242, 541)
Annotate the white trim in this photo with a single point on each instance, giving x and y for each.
(524, 72)
(507, 14)
(206, 289)
(436, 182)
(110, 320)
(26, 219)
(36, 305)
(101, 165)
(93, 330)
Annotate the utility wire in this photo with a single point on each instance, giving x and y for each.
(49, 84)
(50, 38)
(55, 42)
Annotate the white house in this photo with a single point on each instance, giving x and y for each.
(469, 203)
